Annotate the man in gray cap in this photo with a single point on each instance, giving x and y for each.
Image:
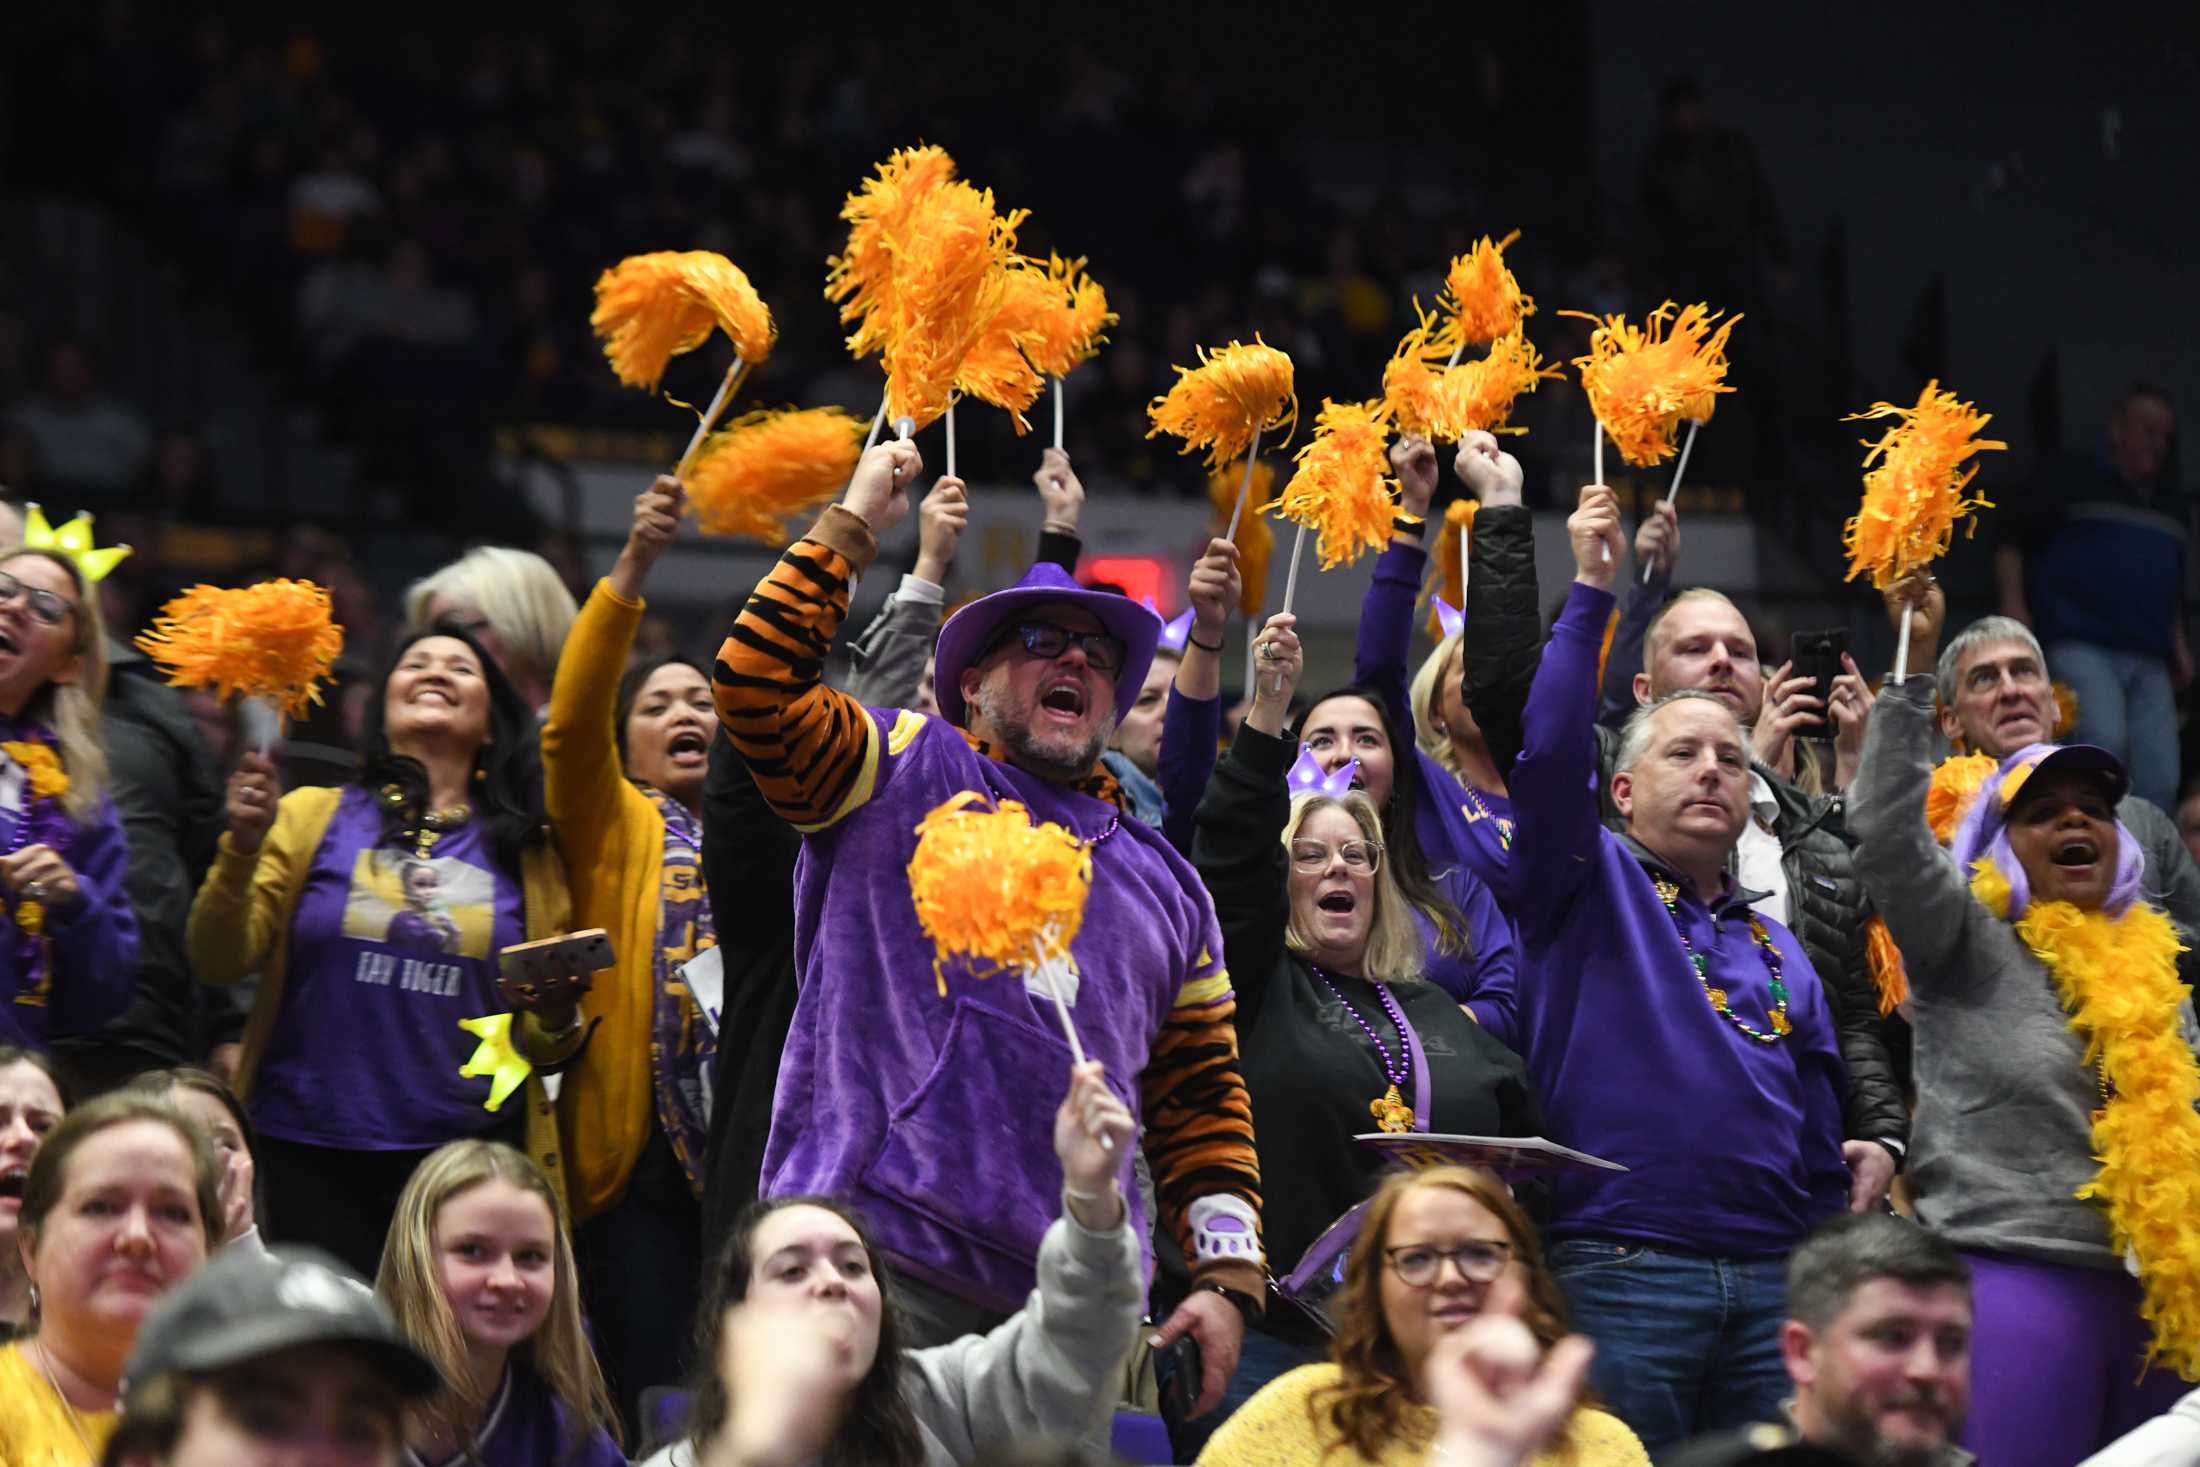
(266, 1358)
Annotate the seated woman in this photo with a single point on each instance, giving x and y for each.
(2055, 1078)
(798, 1348)
(68, 938)
(1337, 1034)
(624, 754)
(353, 1054)
(31, 1104)
(479, 1274)
(123, 1203)
(214, 1108)
(1437, 1249)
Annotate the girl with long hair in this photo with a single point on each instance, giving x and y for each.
(32, 1102)
(68, 938)
(1436, 1248)
(479, 1273)
(353, 1055)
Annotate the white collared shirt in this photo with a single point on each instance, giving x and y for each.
(1757, 853)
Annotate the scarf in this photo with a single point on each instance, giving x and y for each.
(681, 1044)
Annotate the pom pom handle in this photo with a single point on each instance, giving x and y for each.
(1672, 490)
(1057, 412)
(718, 403)
(1245, 489)
(1598, 431)
(1291, 577)
(263, 721)
(878, 421)
(905, 428)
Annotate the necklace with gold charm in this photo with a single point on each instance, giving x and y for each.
(1389, 1109)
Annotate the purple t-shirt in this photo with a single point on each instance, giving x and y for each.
(387, 953)
(525, 1426)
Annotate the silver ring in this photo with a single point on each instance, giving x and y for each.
(35, 892)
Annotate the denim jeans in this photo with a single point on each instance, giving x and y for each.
(2125, 705)
(1686, 1344)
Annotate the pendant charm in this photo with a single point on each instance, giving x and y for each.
(1391, 1112)
(1717, 997)
(30, 916)
(1780, 1023)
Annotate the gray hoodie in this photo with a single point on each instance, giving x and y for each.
(1052, 1369)
(2002, 1139)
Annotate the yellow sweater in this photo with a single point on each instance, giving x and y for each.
(37, 1428)
(240, 924)
(612, 837)
(1278, 1428)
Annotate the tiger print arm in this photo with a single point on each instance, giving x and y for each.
(813, 749)
(1199, 1135)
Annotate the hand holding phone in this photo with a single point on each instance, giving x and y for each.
(1817, 656)
(547, 978)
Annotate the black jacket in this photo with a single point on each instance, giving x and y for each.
(1827, 907)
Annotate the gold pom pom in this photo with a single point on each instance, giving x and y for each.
(650, 308)
(752, 475)
(1914, 485)
(1448, 564)
(1481, 301)
(1445, 403)
(1219, 404)
(1070, 332)
(1342, 489)
(1256, 543)
(950, 280)
(1955, 785)
(1642, 381)
(996, 370)
(995, 889)
(274, 640)
(861, 278)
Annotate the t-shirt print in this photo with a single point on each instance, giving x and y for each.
(434, 904)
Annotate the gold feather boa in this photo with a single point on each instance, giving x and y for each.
(2118, 978)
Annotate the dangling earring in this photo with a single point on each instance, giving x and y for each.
(34, 1301)
(480, 774)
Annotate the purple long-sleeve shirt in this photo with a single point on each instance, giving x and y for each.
(1734, 1145)
(91, 943)
(1457, 834)
(1191, 740)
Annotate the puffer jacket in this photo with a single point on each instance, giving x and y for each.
(1827, 907)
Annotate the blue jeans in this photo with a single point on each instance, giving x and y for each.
(2125, 705)
(1261, 1360)
(1685, 1344)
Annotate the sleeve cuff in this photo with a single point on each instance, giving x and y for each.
(1263, 753)
(915, 588)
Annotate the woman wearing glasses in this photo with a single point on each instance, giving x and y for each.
(68, 941)
(1438, 1249)
(1339, 1034)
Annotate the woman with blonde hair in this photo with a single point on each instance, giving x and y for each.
(511, 601)
(479, 1273)
(1436, 1251)
(1339, 1034)
(68, 939)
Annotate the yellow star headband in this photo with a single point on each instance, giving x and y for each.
(74, 540)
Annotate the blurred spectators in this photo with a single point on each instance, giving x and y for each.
(70, 442)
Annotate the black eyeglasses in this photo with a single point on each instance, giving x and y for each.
(44, 605)
(1418, 1264)
(1045, 639)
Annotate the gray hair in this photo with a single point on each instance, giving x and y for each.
(1843, 1255)
(1634, 735)
(1970, 639)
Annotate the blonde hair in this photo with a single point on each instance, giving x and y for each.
(411, 1285)
(71, 709)
(1394, 947)
(1428, 737)
(517, 591)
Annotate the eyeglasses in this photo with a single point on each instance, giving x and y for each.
(1359, 855)
(45, 605)
(1044, 639)
(1418, 1264)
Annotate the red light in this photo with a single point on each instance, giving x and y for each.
(1140, 576)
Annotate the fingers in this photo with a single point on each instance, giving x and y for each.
(1478, 442)
(1054, 470)
(1214, 1379)
(1220, 550)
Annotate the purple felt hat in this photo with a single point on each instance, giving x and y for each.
(1046, 584)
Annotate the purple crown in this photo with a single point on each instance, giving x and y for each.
(1307, 776)
(1450, 620)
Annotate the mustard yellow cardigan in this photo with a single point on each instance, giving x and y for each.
(240, 924)
(612, 837)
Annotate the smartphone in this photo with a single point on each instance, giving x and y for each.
(526, 964)
(1818, 655)
(1178, 1370)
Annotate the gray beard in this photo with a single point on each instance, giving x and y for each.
(1052, 759)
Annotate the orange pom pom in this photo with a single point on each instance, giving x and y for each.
(755, 473)
(1232, 393)
(1885, 960)
(274, 640)
(1481, 301)
(1448, 566)
(1069, 333)
(650, 308)
(1956, 783)
(861, 277)
(1478, 395)
(950, 280)
(995, 889)
(1255, 541)
(996, 371)
(1642, 382)
(1914, 484)
(1409, 382)
(1342, 489)
(2066, 710)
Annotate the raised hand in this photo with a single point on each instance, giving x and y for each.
(1413, 460)
(941, 520)
(1059, 491)
(1918, 596)
(1593, 530)
(1490, 473)
(251, 801)
(875, 491)
(657, 511)
(1790, 705)
(1277, 660)
(1093, 1131)
(1658, 540)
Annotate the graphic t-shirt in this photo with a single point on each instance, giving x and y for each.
(389, 949)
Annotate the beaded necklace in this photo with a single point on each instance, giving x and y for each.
(1115, 821)
(1484, 812)
(1670, 894)
(1389, 1109)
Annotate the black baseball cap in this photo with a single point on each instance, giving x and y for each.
(248, 1303)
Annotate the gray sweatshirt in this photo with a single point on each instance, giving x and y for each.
(1052, 1369)
(2002, 1138)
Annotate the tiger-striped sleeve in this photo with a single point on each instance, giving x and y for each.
(1199, 1120)
(813, 749)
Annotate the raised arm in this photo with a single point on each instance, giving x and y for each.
(1063, 494)
(891, 654)
(1553, 781)
(1504, 623)
(1384, 640)
(1657, 550)
(813, 749)
(1191, 726)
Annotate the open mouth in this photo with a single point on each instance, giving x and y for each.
(689, 745)
(441, 696)
(2077, 852)
(7, 641)
(1341, 902)
(12, 1182)
(1064, 698)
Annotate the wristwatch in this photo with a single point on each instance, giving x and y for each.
(1246, 1307)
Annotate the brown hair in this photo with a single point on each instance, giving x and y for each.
(50, 1168)
(71, 710)
(1372, 1405)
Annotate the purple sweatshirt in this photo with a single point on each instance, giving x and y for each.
(526, 1426)
(1734, 1144)
(1460, 841)
(91, 944)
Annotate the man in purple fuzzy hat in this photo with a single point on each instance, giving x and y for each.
(933, 1114)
